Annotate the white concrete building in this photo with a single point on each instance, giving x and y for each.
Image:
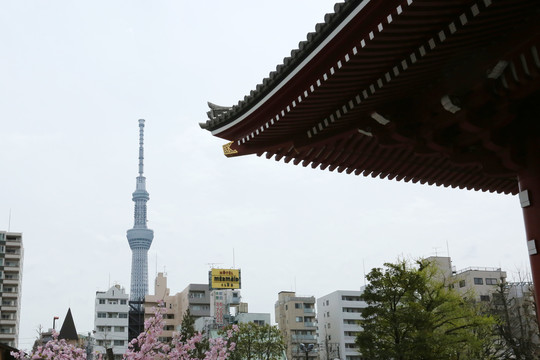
(478, 282)
(111, 321)
(256, 318)
(11, 263)
(338, 314)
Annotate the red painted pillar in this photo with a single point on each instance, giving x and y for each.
(529, 196)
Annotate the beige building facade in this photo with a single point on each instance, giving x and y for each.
(11, 264)
(295, 316)
(478, 282)
(194, 297)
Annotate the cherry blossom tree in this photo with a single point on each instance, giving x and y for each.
(146, 346)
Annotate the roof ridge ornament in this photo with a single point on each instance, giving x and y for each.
(215, 112)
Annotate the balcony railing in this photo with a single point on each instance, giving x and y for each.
(304, 337)
(309, 324)
(309, 310)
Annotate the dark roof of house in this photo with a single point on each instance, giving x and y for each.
(433, 91)
(6, 351)
(68, 330)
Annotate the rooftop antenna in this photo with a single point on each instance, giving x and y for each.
(447, 248)
(364, 267)
(436, 254)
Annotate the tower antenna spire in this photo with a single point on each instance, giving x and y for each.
(141, 147)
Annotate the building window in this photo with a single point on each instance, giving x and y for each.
(168, 316)
(119, 342)
(168, 327)
(328, 314)
(484, 297)
(196, 294)
(297, 306)
(328, 326)
(122, 315)
(101, 315)
(119, 329)
(478, 281)
(461, 283)
(259, 322)
(102, 301)
(123, 302)
(299, 319)
(327, 302)
(491, 281)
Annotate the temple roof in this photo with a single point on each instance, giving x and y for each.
(438, 92)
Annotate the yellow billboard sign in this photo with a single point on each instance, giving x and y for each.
(224, 278)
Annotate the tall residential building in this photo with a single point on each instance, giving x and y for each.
(140, 237)
(111, 321)
(295, 316)
(194, 296)
(479, 282)
(338, 314)
(11, 262)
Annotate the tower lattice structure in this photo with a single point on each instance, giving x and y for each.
(140, 237)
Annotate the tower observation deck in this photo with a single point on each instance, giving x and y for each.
(140, 237)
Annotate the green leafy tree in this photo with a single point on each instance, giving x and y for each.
(413, 314)
(187, 331)
(257, 342)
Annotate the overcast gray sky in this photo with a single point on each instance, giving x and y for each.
(75, 78)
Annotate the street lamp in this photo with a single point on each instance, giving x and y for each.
(306, 349)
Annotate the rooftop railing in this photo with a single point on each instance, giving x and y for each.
(477, 268)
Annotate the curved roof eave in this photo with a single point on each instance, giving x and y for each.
(307, 50)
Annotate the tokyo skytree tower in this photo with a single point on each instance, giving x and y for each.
(140, 237)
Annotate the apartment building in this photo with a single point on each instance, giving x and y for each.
(111, 321)
(338, 314)
(194, 297)
(479, 282)
(295, 316)
(11, 264)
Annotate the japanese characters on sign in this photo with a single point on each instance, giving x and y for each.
(225, 279)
